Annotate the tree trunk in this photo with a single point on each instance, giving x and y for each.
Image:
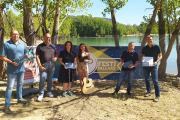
(178, 55)
(115, 32)
(44, 27)
(3, 65)
(171, 42)
(55, 34)
(151, 23)
(162, 68)
(28, 23)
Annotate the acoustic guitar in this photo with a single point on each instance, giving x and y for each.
(88, 86)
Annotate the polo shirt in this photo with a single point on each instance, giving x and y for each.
(151, 52)
(11, 51)
(46, 52)
(126, 57)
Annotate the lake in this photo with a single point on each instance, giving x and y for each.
(123, 41)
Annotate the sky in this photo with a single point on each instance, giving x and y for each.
(131, 13)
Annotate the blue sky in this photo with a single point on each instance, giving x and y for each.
(131, 13)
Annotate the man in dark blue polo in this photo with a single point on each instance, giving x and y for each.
(127, 56)
(151, 50)
(12, 49)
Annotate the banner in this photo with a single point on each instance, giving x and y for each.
(32, 70)
(105, 62)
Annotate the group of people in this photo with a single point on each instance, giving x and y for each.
(150, 50)
(47, 52)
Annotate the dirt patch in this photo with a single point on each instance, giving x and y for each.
(100, 105)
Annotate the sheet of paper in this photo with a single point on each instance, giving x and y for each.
(148, 61)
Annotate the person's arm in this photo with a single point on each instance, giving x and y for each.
(159, 59)
(25, 50)
(87, 60)
(121, 61)
(141, 57)
(60, 61)
(3, 54)
(136, 61)
(55, 58)
(121, 58)
(56, 55)
(39, 63)
(27, 55)
(8, 60)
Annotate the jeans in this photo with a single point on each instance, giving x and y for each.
(154, 74)
(48, 73)
(121, 79)
(10, 84)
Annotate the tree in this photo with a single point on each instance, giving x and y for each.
(173, 23)
(151, 23)
(28, 23)
(162, 67)
(114, 5)
(2, 63)
(55, 34)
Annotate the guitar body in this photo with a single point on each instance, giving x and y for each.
(88, 86)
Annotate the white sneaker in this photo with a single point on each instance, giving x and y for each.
(39, 99)
(49, 94)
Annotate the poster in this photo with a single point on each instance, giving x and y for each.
(31, 67)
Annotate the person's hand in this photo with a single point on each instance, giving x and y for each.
(86, 60)
(142, 59)
(155, 63)
(65, 67)
(122, 63)
(54, 59)
(84, 69)
(15, 64)
(42, 68)
(130, 67)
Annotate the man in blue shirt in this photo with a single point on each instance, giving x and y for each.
(127, 56)
(12, 49)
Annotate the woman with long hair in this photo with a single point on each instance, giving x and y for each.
(82, 57)
(67, 76)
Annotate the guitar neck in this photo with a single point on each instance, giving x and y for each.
(87, 71)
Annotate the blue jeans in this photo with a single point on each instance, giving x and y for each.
(154, 74)
(48, 73)
(10, 85)
(122, 77)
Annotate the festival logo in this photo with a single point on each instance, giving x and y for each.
(102, 64)
(92, 64)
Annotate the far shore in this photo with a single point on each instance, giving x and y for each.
(106, 36)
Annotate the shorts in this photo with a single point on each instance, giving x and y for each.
(83, 65)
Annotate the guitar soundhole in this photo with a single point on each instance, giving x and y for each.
(87, 81)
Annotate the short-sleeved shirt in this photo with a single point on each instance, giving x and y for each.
(11, 51)
(67, 57)
(46, 52)
(126, 57)
(151, 52)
